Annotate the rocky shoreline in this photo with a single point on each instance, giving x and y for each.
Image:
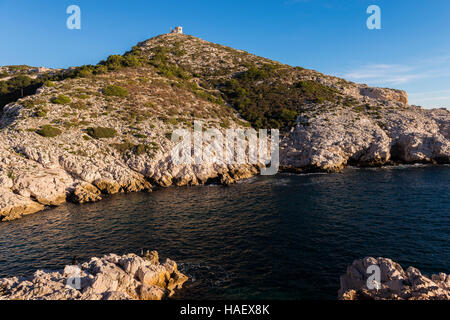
(133, 277)
(80, 137)
(13, 206)
(394, 282)
(112, 277)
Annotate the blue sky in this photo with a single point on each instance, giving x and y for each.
(410, 52)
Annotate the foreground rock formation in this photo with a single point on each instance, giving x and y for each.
(107, 129)
(112, 277)
(395, 283)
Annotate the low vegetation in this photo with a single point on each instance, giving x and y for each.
(101, 132)
(272, 104)
(78, 105)
(116, 91)
(161, 62)
(40, 112)
(49, 83)
(61, 99)
(127, 148)
(48, 131)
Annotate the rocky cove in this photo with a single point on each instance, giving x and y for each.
(104, 132)
(355, 125)
(84, 134)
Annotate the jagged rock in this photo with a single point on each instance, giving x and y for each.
(111, 277)
(153, 257)
(85, 192)
(14, 206)
(385, 94)
(118, 295)
(151, 275)
(147, 292)
(107, 186)
(394, 284)
(48, 186)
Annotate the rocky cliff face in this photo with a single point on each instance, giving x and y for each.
(112, 277)
(397, 133)
(106, 129)
(395, 283)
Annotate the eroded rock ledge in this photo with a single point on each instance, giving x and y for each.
(395, 283)
(112, 277)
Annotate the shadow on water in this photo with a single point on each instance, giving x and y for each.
(283, 237)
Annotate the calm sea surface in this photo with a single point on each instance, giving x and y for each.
(282, 237)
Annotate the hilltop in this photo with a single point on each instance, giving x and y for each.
(79, 133)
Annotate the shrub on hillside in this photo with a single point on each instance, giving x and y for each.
(49, 83)
(131, 60)
(115, 91)
(315, 92)
(128, 148)
(141, 149)
(61, 99)
(123, 147)
(161, 62)
(115, 62)
(48, 131)
(28, 104)
(288, 115)
(101, 132)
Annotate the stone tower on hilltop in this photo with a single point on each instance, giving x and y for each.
(178, 30)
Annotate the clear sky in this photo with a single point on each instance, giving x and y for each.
(410, 52)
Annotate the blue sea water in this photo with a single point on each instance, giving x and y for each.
(282, 237)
